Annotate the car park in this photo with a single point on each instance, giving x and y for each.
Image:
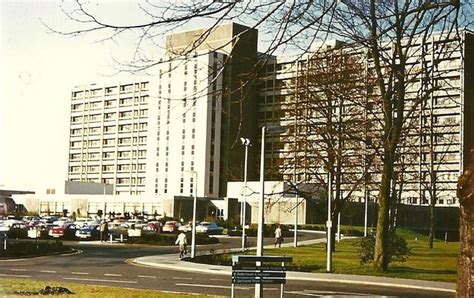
(170, 226)
(209, 228)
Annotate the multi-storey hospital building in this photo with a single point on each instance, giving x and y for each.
(162, 139)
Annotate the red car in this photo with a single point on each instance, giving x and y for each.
(65, 231)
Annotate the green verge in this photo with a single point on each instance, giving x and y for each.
(10, 285)
(437, 264)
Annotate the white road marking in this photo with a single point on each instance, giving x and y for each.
(80, 273)
(303, 293)
(15, 275)
(184, 278)
(216, 279)
(146, 276)
(212, 286)
(323, 293)
(47, 271)
(112, 274)
(101, 280)
(14, 269)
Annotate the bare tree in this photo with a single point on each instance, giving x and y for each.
(327, 124)
(391, 30)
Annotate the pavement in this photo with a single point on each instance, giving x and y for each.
(173, 262)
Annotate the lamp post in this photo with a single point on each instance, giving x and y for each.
(246, 143)
(329, 226)
(366, 210)
(261, 205)
(193, 230)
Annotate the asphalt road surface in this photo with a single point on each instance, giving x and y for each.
(106, 265)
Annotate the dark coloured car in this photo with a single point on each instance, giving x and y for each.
(88, 232)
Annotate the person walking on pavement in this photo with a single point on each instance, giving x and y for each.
(182, 242)
(278, 237)
(102, 226)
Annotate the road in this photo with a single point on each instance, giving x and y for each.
(106, 265)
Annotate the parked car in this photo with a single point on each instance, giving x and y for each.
(209, 228)
(4, 227)
(18, 230)
(88, 232)
(84, 221)
(188, 227)
(65, 231)
(134, 224)
(170, 226)
(153, 227)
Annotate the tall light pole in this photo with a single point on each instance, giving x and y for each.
(193, 230)
(329, 225)
(366, 210)
(246, 143)
(261, 205)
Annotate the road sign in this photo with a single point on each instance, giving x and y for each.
(253, 259)
(266, 268)
(259, 281)
(269, 274)
(246, 271)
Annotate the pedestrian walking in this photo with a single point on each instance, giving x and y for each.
(278, 236)
(102, 226)
(182, 242)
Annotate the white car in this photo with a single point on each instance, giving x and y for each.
(170, 226)
(134, 224)
(209, 228)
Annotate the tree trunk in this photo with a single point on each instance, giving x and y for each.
(465, 285)
(432, 228)
(381, 237)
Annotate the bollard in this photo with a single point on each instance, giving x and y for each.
(121, 237)
(446, 237)
(5, 244)
(110, 238)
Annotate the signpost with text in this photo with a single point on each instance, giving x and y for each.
(245, 270)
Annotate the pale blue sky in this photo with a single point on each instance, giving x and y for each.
(37, 73)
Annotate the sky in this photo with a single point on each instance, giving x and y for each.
(37, 72)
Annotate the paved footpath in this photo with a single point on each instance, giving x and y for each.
(172, 261)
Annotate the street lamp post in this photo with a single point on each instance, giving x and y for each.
(329, 226)
(261, 205)
(193, 230)
(246, 143)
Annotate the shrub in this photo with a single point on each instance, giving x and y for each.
(169, 239)
(351, 232)
(269, 230)
(397, 249)
(32, 248)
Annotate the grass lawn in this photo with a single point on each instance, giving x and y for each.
(437, 264)
(8, 286)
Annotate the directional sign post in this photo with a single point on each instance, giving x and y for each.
(245, 271)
